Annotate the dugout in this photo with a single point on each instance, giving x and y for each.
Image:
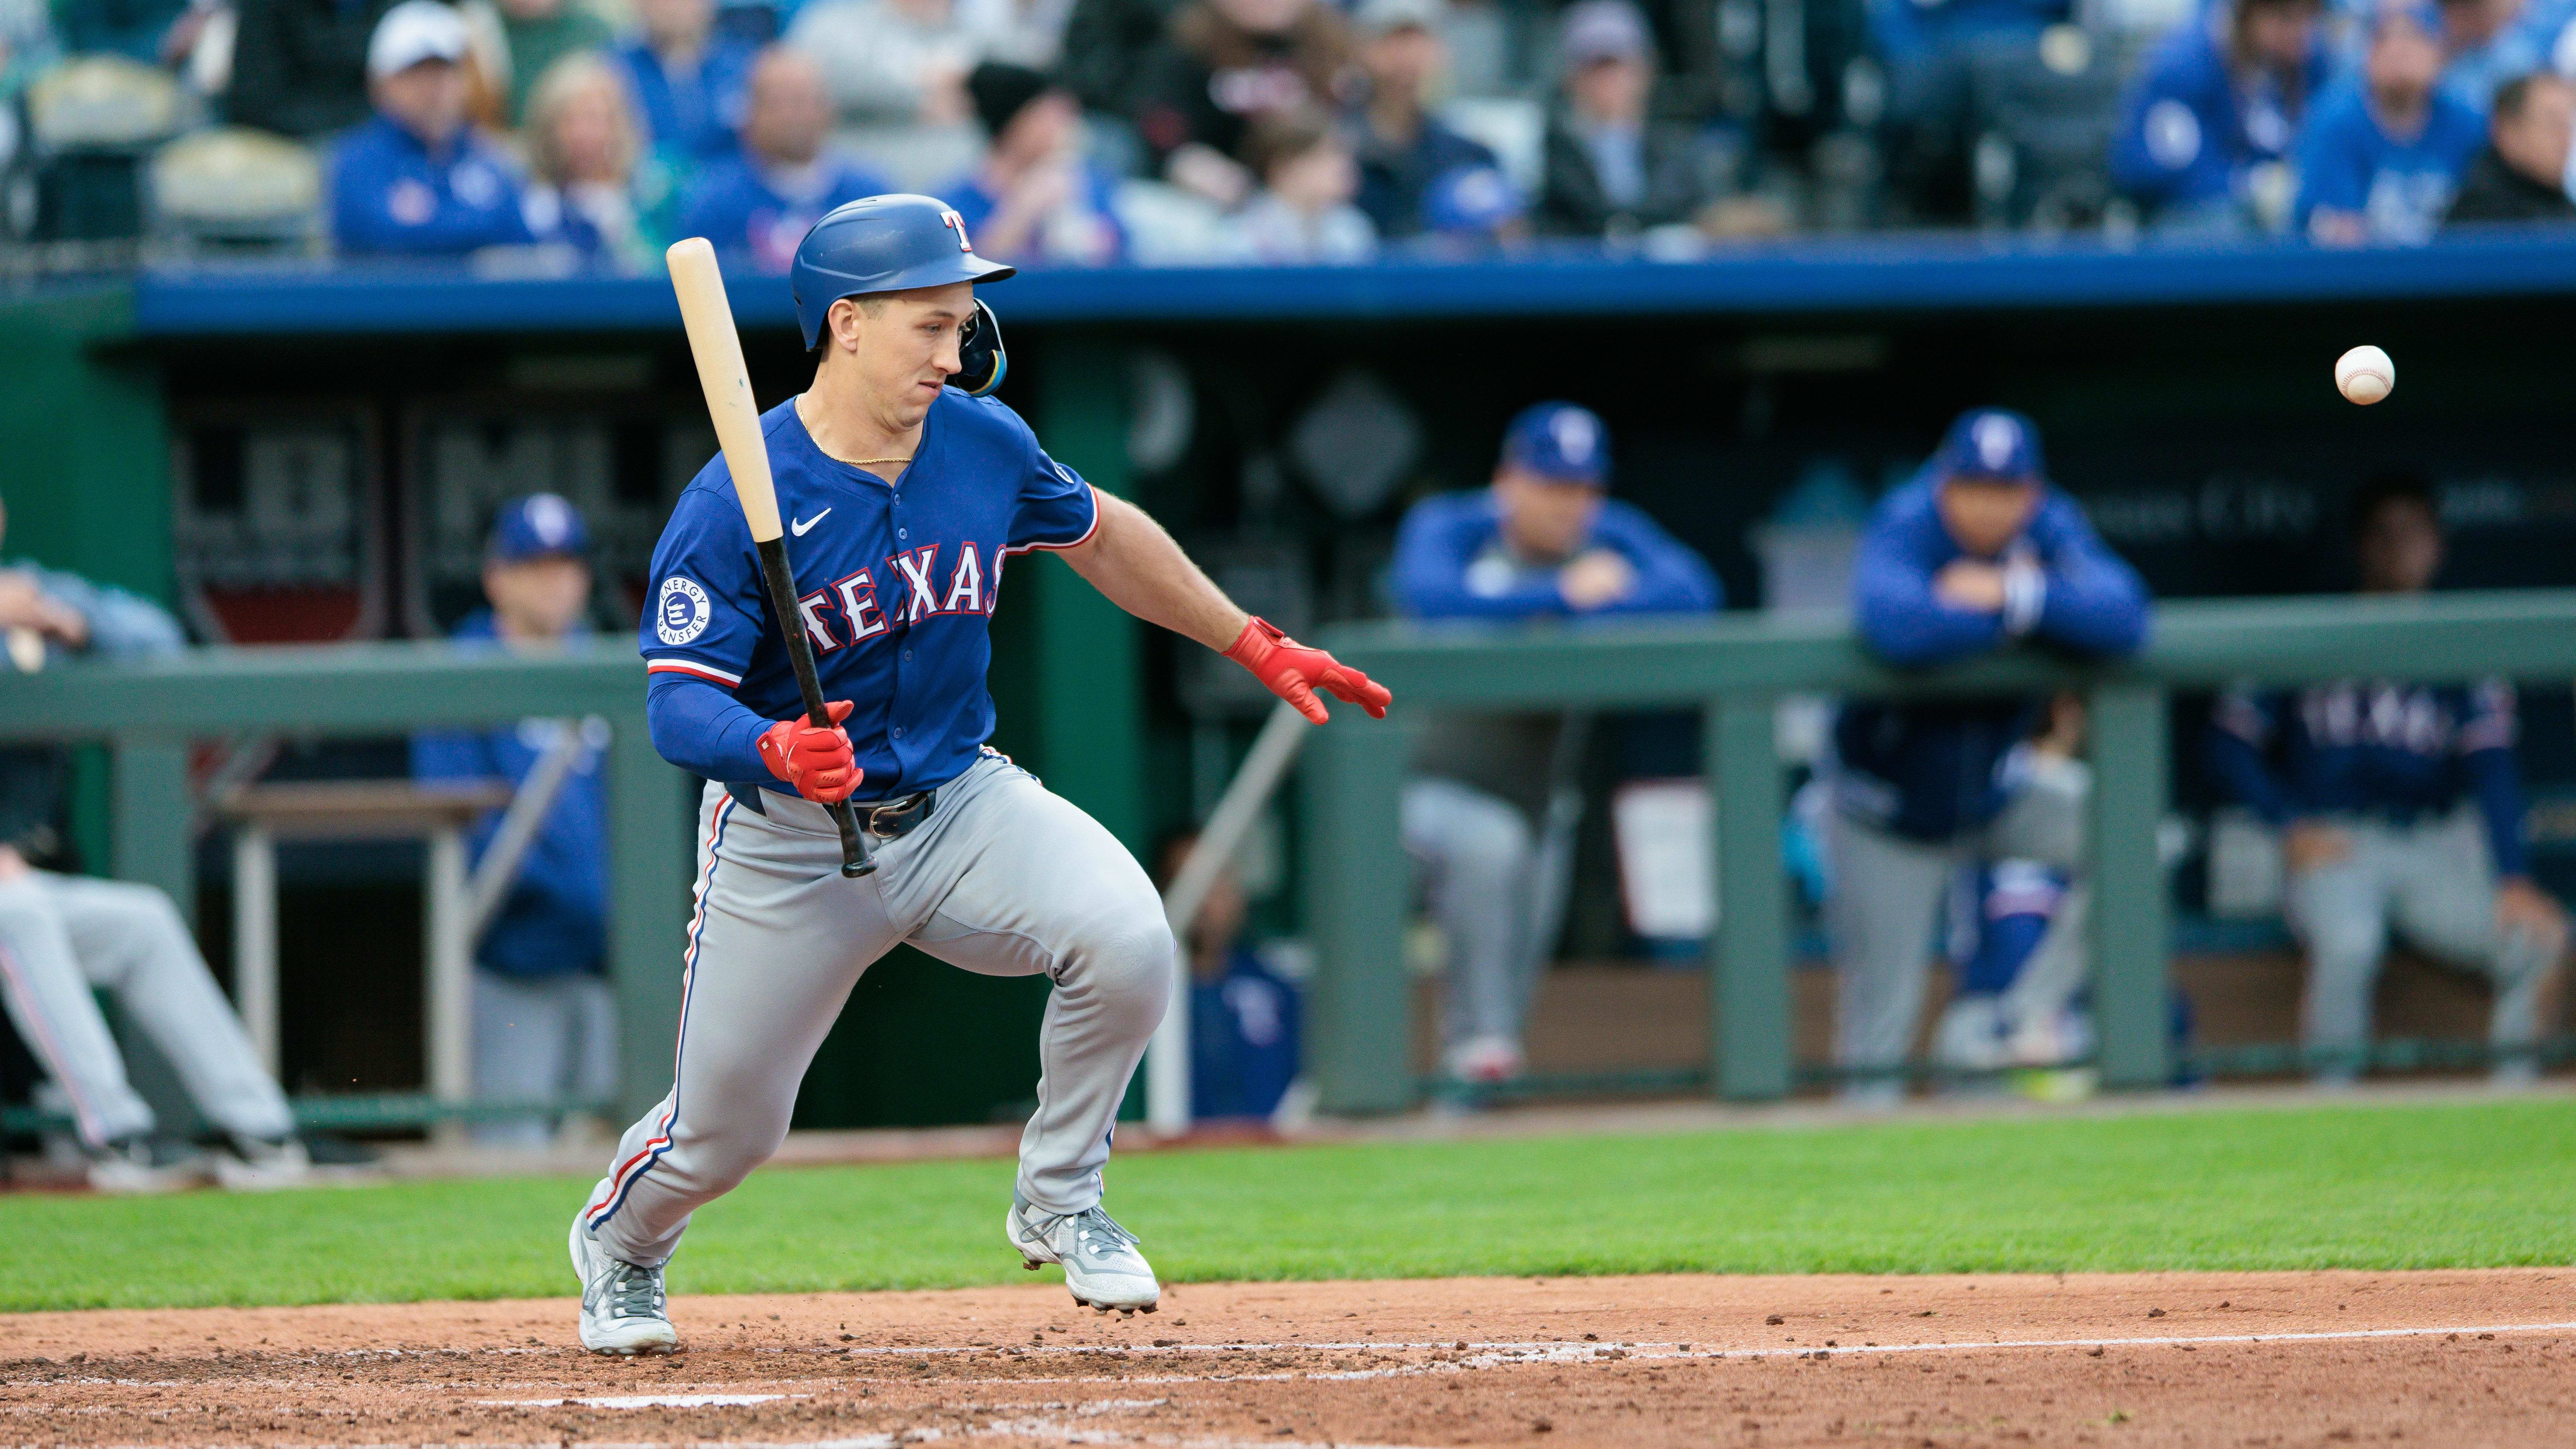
(312, 455)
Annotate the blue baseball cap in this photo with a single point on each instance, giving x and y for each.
(1471, 199)
(541, 525)
(1992, 445)
(1561, 442)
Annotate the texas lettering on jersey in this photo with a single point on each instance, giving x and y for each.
(897, 581)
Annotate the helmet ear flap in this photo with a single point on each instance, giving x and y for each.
(981, 363)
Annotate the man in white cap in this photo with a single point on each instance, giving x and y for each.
(417, 180)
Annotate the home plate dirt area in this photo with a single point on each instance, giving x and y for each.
(2431, 1358)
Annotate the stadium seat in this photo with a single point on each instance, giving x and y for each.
(2042, 115)
(92, 120)
(237, 189)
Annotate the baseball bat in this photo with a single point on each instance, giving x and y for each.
(718, 350)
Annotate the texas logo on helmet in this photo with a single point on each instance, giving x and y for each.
(957, 224)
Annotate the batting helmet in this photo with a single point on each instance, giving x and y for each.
(881, 244)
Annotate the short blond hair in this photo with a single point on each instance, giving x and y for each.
(564, 80)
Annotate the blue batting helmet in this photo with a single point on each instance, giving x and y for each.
(881, 244)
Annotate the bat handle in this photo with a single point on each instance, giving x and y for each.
(854, 851)
(800, 656)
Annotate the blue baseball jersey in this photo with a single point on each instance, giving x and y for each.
(898, 585)
(2393, 750)
(1243, 1040)
(393, 195)
(1932, 770)
(554, 922)
(2190, 130)
(758, 214)
(2400, 185)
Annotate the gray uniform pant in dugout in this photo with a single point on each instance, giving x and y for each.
(2434, 881)
(1004, 879)
(62, 936)
(1886, 898)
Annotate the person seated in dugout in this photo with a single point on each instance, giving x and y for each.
(417, 181)
(1244, 1018)
(1482, 814)
(1979, 553)
(2399, 807)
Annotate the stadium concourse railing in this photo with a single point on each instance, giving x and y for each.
(1736, 669)
(148, 713)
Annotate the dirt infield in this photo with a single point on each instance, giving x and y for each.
(2434, 1359)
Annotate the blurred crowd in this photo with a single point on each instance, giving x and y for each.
(588, 133)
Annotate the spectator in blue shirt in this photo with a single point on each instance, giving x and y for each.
(1490, 810)
(1244, 1019)
(2218, 103)
(2381, 158)
(2489, 42)
(417, 180)
(1036, 200)
(1403, 148)
(1978, 554)
(689, 82)
(758, 204)
(2399, 806)
(545, 1024)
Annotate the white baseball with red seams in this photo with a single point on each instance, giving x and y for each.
(2365, 375)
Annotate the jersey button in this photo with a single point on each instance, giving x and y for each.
(898, 732)
(907, 656)
(903, 533)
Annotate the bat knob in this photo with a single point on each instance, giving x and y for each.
(854, 869)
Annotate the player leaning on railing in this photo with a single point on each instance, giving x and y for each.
(904, 496)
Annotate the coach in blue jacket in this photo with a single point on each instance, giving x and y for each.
(1482, 813)
(2399, 805)
(545, 1025)
(417, 181)
(1977, 554)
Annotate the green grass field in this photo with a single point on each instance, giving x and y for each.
(2487, 1184)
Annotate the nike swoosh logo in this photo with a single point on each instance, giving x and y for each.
(799, 526)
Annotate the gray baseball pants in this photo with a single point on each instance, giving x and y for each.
(1886, 897)
(541, 1039)
(2433, 881)
(1004, 879)
(61, 936)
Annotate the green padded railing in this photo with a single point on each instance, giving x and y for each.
(148, 712)
(1736, 668)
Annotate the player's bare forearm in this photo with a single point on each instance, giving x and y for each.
(1136, 565)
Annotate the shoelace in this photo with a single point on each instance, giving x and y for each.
(1098, 1234)
(633, 1292)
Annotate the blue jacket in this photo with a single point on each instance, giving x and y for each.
(1243, 1040)
(555, 920)
(2347, 163)
(1450, 564)
(1105, 246)
(2396, 751)
(691, 116)
(392, 196)
(2187, 133)
(735, 205)
(1932, 771)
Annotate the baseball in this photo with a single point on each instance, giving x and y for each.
(2365, 375)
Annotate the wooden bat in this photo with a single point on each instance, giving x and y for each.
(718, 350)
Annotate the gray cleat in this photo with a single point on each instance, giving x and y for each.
(622, 1309)
(1101, 1264)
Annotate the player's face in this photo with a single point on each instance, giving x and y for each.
(2400, 548)
(538, 598)
(2279, 36)
(907, 352)
(2404, 58)
(1982, 516)
(1544, 518)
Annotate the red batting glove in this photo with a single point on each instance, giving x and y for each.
(1294, 672)
(816, 761)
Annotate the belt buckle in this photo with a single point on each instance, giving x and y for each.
(873, 827)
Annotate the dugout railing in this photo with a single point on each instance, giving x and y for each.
(148, 713)
(1736, 669)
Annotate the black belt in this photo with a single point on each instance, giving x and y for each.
(886, 819)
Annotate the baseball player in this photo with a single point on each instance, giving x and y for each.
(905, 500)
(545, 1022)
(2371, 783)
(1976, 554)
(64, 936)
(1491, 812)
